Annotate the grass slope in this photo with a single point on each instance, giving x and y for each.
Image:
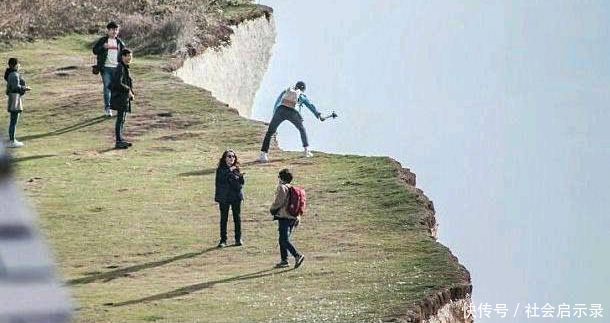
(134, 230)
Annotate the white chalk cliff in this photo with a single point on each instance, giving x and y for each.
(233, 73)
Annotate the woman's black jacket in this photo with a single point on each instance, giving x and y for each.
(228, 185)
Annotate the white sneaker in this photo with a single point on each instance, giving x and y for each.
(263, 158)
(307, 154)
(108, 112)
(15, 144)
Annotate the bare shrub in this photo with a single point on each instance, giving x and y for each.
(180, 27)
(28, 19)
(134, 28)
(151, 35)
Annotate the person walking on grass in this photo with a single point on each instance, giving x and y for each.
(122, 95)
(108, 52)
(286, 221)
(15, 89)
(229, 184)
(285, 108)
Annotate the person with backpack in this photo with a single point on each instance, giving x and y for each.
(285, 108)
(15, 89)
(122, 95)
(229, 184)
(108, 53)
(287, 208)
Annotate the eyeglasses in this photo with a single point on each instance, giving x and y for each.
(230, 156)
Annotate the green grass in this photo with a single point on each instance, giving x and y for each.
(134, 230)
(242, 12)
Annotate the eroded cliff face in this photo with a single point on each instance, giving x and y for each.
(453, 311)
(233, 73)
(450, 305)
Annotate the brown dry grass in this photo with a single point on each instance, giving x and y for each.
(180, 27)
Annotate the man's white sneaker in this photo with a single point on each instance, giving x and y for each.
(263, 158)
(307, 154)
(15, 144)
(108, 112)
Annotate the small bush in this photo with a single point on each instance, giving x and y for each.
(180, 27)
(150, 35)
(29, 19)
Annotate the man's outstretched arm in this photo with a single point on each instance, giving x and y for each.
(304, 100)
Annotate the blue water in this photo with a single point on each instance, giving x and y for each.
(500, 108)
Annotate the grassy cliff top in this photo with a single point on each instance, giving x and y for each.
(134, 230)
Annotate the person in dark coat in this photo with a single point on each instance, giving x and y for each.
(108, 50)
(229, 183)
(15, 89)
(122, 96)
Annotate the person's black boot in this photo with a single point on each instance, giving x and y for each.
(299, 261)
(282, 264)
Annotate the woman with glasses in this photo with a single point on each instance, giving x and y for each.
(229, 183)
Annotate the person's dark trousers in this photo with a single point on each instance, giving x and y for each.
(120, 123)
(285, 229)
(224, 217)
(281, 114)
(12, 127)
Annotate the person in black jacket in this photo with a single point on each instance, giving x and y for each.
(15, 89)
(108, 53)
(229, 183)
(122, 95)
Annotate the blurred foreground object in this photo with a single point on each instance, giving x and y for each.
(29, 289)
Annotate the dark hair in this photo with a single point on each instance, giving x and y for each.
(112, 25)
(12, 62)
(300, 85)
(125, 52)
(286, 175)
(222, 162)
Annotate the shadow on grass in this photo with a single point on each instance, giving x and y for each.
(199, 172)
(197, 287)
(103, 151)
(22, 159)
(74, 127)
(108, 276)
(270, 162)
(211, 171)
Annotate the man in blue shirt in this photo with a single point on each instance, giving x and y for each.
(286, 109)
